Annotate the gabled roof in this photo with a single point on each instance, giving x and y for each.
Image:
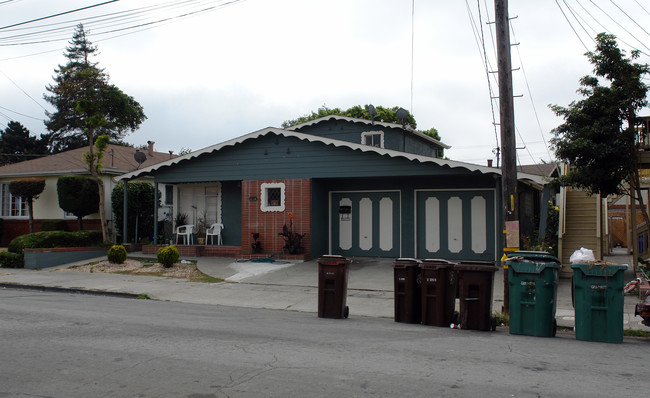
(117, 160)
(327, 141)
(542, 169)
(370, 123)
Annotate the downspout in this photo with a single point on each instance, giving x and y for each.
(126, 213)
(155, 213)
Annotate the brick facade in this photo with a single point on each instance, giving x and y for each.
(269, 223)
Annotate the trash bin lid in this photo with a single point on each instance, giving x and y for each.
(406, 262)
(599, 268)
(333, 259)
(436, 263)
(532, 262)
(534, 255)
(483, 266)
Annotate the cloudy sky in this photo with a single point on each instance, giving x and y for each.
(208, 71)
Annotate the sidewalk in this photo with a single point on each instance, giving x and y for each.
(279, 286)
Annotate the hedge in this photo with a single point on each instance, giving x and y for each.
(11, 260)
(50, 239)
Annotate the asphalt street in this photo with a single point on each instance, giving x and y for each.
(74, 345)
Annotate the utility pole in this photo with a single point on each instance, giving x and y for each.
(508, 146)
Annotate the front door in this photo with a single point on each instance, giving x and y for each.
(365, 224)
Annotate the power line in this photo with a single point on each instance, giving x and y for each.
(571, 25)
(57, 15)
(21, 114)
(24, 92)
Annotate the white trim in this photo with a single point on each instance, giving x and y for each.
(496, 214)
(328, 141)
(372, 133)
(399, 208)
(264, 187)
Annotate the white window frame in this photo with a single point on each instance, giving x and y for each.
(12, 200)
(373, 133)
(264, 187)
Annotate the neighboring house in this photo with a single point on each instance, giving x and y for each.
(534, 199)
(386, 196)
(13, 210)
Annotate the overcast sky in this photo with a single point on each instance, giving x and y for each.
(232, 69)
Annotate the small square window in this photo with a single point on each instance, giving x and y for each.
(373, 138)
(272, 197)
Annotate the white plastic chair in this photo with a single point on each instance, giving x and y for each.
(214, 230)
(185, 231)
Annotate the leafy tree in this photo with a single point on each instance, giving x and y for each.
(361, 112)
(598, 136)
(28, 188)
(141, 205)
(88, 108)
(16, 142)
(78, 195)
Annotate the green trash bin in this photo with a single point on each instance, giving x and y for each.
(533, 280)
(598, 302)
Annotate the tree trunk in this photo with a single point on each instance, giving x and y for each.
(30, 203)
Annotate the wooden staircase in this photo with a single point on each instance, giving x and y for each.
(581, 225)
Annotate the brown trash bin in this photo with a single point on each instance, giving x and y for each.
(439, 285)
(332, 287)
(406, 273)
(475, 283)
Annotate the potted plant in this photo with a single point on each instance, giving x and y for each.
(256, 245)
(292, 240)
(202, 226)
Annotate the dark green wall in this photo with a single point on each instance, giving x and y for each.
(396, 139)
(407, 186)
(231, 212)
(274, 156)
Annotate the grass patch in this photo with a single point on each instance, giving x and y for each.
(636, 333)
(502, 319)
(205, 278)
(143, 296)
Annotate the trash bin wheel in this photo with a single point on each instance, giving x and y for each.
(346, 312)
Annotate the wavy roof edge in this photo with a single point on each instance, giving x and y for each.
(327, 141)
(371, 123)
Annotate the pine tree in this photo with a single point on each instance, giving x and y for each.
(88, 109)
(16, 142)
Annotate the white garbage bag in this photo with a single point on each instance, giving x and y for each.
(582, 256)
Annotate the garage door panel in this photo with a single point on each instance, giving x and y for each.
(456, 225)
(372, 228)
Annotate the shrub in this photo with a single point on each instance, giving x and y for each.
(54, 225)
(50, 239)
(167, 256)
(117, 254)
(11, 260)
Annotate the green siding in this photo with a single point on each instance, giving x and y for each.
(231, 212)
(319, 219)
(396, 139)
(287, 157)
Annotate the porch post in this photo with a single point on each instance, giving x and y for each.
(126, 213)
(155, 213)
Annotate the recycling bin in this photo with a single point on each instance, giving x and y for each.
(533, 281)
(598, 302)
(439, 283)
(475, 284)
(333, 287)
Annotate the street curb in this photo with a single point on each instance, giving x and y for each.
(19, 286)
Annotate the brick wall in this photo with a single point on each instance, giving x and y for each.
(269, 224)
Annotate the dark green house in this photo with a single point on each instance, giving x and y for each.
(350, 186)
